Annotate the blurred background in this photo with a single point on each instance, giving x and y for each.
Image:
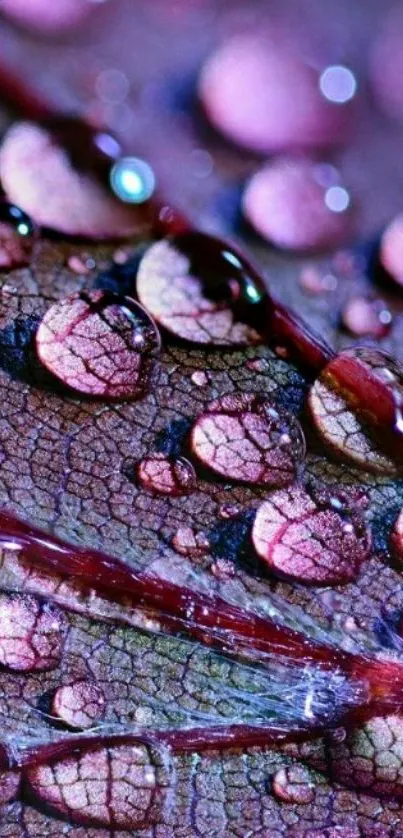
(211, 92)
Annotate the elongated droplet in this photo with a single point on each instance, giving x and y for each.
(356, 407)
(121, 787)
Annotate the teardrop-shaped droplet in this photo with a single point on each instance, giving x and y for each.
(201, 290)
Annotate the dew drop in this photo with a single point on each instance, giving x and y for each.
(239, 435)
(363, 317)
(304, 538)
(80, 265)
(18, 235)
(99, 344)
(79, 705)
(356, 408)
(261, 93)
(117, 787)
(293, 785)
(229, 510)
(200, 378)
(391, 251)
(338, 84)
(257, 365)
(31, 633)
(287, 205)
(166, 475)
(188, 542)
(201, 290)
(9, 786)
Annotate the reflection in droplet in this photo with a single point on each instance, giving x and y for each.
(338, 84)
(132, 180)
(337, 199)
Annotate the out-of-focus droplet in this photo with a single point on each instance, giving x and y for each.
(391, 250)
(386, 63)
(338, 84)
(112, 85)
(18, 235)
(261, 93)
(364, 317)
(132, 180)
(200, 378)
(45, 17)
(289, 206)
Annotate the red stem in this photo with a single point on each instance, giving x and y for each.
(207, 618)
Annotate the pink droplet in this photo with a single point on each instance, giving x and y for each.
(260, 93)
(190, 285)
(391, 250)
(386, 63)
(166, 475)
(364, 317)
(47, 18)
(287, 205)
(199, 378)
(79, 705)
(190, 543)
(99, 344)
(246, 438)
(229, 510)
(18, 235)
(79, 265)
(31, 633)
(121, 787)
(294, 785)
(37, 174)
(303, 539)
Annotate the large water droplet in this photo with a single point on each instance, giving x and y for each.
(99, 344)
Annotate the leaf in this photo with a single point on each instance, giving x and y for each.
(69, 465)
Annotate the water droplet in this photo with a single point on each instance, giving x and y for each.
(188, 542)
(229, 510)
(238, 438)
(199, 378)
(99, 344)
(80, 265)
(166, 475)
(293, 785)
(119, 787)
(278, 103)
(364, 317)
(201, 290)
(31, 633)
(304, 538)
(18, 235)
(80, 705)
(286, 205)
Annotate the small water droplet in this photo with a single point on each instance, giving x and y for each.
(80, 265)
(80, 705)
(223, 570)
(257, 364)
(188, 542)
(200, 378)
(18, 235)
(293, 785)
(229, 510)
(31, 633)
(166, 475)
